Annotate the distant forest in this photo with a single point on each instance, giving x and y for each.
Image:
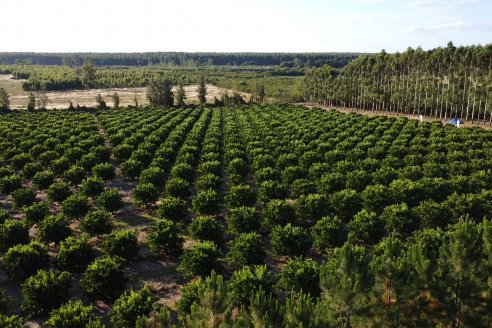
(289, 60)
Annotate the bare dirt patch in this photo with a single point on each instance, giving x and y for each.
(62, 99)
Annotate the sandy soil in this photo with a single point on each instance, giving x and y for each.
(61, 99)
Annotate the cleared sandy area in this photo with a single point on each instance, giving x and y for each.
(62, 99)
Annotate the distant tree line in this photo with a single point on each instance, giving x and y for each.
(334, 59)
(443, 82)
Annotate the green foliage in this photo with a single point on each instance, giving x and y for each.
(173, 208)
(75, 206)
(289, 240)
(145, 194)
(241, 195)
(54, 229)
(399, 219)
(104, 279)
(13, 321)
(92, 186)
(177, 187)
(4, 215)
(72, 314)
(74, 174)
(104, 171)
(23, 197)
(206, 202)
(5, 302)
(199, 260)
(366, 228)
(8, 184)
(45, 291)
(328, 232)
(42, 180)
(153, 175)
(129, 306)
(22, 261)
(278, 212)
(96, 223)
(311, 208)
(121, 243)
(13, 232)
(59, 191)
(74, 254)
(248, 280)
(246, 249)
(110, 200)
(131, 168)
(206, 228)
(243, 219)
(164, 238)
(300, 274)
(190, 294)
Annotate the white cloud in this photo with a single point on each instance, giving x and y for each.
(448, 26)
(372, 1)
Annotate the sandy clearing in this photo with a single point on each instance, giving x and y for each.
(61, 99)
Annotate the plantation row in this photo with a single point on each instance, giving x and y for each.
(389, 218)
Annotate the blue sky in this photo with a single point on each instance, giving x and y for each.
(233, 25)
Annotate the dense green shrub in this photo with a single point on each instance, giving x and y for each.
(206, 228)
(42, 180)
(311, 208)
(300, 274)
(9, 184)
(173, 208)
(59, 191)
(177, 187)
(30, 169)
(129, 306)
(269, 190)
(4, 215)
(153, 175)
(190, 294)
(212, 168)
(247, 281)
(328, 232)
(302, 187)
(243, 219)
(104, 171)
(131, 169)
(289, 240)
(237, 166)
(246, 249)
(36, 212)
(96, 223)
(121, 243)
(183, 171)
(241, 195)
(45, 291)
(145, 194)
(199, 260)
(75, 254)
(399, 219)
(104, 279)
(5, 301)
(23, 197)
(346, 203)
(206, 202)
(72, 314)
(208, 181)
(22, 261)
(278, 212)
(92, 186)
(54, 228)
(74, 174)
(164, 238)
(13, 321)
(110, 200)
(13, 232)
(366, 228)
(75, 206)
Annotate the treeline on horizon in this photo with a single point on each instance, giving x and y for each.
(337, 60)
(443, 82)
